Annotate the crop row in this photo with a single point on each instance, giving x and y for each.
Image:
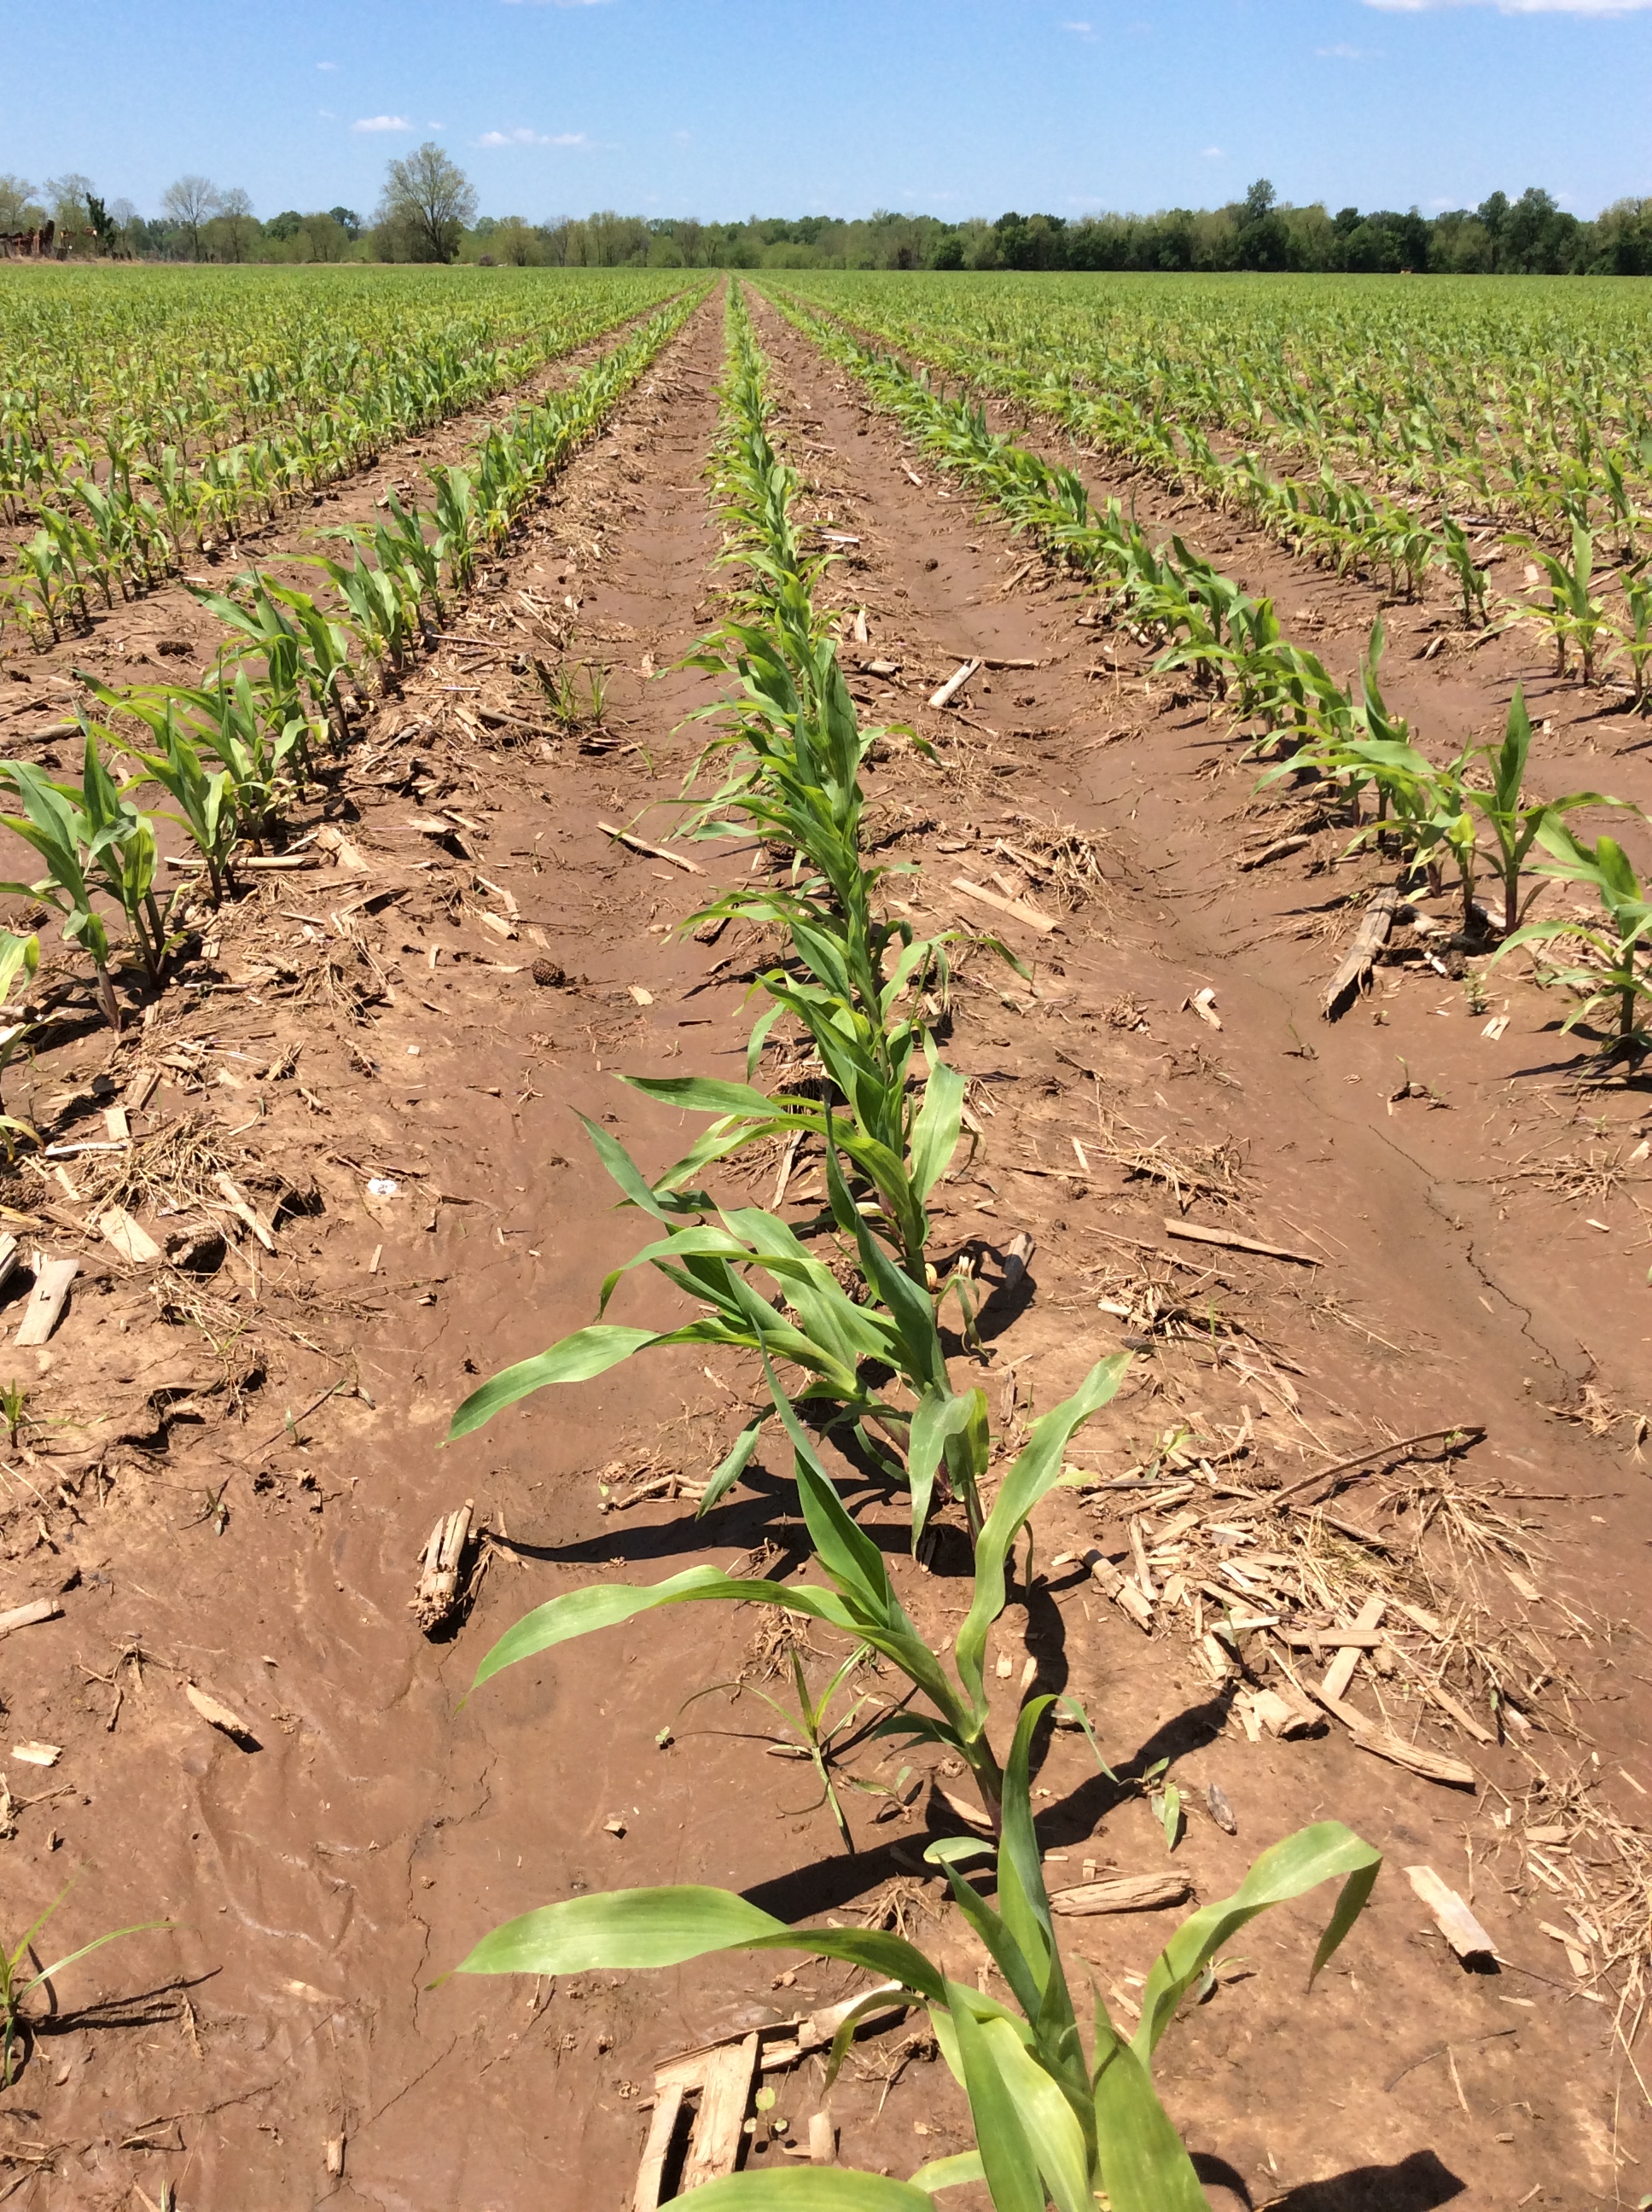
(1471, 818)
(234, 752)
(1533, 411)
(1600, 606)
(1053, 2120)
(191, 470)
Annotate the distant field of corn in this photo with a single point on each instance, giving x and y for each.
(1528, 404)
(146, 414)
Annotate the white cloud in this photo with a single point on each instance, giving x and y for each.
(1519, 7)
(381, 123)
(559, 3)
(1080, 30)
(1212, 154)
(525, 137)
(327, 65)
(326, 115)
(1343, 53)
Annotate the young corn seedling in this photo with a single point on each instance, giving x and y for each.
(811, 1735)
(1622, 972)
(1055, 2124)
(1636, 637)
(241, 725)
(208, 803)
(18, 956)
(1573, 617)
(305, 657)
(1516, 824)
(1472, 580)
(18, 1985)
(856, 1596)
(54, 821)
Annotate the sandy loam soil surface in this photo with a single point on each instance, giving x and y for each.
(229, 1462)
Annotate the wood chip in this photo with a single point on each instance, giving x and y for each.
(239, 1206)
(1126, 1594)
(346, 856)
(822, 2139)
(1017, 909)
(1451, 1915)
(655, 852)
(954, 683)
(1278, 1716)
(1340, 1672)
(36, 1755)
(972, 1816)
(117, 1227)
(722, 2076)
(221, 1717)
(1196, 1232)
(45, 1302)
(1276, 851)
(1129, 1893)
(26, 1616)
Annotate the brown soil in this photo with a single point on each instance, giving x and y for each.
(208, 1516)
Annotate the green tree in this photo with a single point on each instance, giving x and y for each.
(19, 208)
(428, 201)
(190, 203)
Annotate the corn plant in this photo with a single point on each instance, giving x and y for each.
(54, 821)
(18, 956)
(1053, 2123)
(1516, 823)
(1622, 974)
(381, 598)
(1472, 580)
(856, 1596)
(1636, 637)
(17, 1984)
(305, 655)
(1573, 617)
(209, 802)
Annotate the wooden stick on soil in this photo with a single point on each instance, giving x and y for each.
(654, 852)
(1198, 1233)
(1371, 936)
(954, 683)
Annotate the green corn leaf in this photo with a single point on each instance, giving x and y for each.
(1052, 2126)
(654, 1928)
(604, 1604)
(935, 1131)
(1006, 2155)
(587, 1353)
(1144, 2164)
(1035, 1472)
(1286, 1870)
(819, 2189)
(948, 2172)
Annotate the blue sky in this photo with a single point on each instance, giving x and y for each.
(725, 109)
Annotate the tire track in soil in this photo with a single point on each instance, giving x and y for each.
(931, 573)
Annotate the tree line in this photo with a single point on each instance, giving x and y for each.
(427, 212)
